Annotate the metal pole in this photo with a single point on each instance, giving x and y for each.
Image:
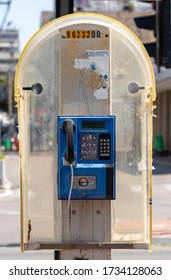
(157, 37)
(63, 7)
(57, 255)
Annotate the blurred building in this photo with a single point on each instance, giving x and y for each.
(9, 55)
(161, 123)
(9, 49)
(46, 16)
(100, 6)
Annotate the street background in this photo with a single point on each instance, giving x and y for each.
(10, 215)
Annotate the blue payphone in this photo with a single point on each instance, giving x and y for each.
(86, 157)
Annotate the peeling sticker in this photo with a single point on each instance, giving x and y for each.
(97, 53)
(96, 68)
(101, 93)
(142, 165)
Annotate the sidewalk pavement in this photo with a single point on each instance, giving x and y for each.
(162, 199)
(162, 165)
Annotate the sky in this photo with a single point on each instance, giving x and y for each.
(24, 15)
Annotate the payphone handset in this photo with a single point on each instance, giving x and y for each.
(87, 145)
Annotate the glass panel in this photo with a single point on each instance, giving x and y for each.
(97, 68)
(40, 134)
(132, 137)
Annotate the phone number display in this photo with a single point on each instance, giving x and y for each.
(83, 34)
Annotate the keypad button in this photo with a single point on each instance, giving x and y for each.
(104, 149)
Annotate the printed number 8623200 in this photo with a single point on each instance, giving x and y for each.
(82, 34)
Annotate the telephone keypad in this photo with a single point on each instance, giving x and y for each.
(104, 146)
(89, 146)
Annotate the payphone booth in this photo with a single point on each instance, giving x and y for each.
(85, 90)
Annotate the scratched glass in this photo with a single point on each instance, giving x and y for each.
(108, 75)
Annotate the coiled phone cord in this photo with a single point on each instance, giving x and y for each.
(68, 229)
